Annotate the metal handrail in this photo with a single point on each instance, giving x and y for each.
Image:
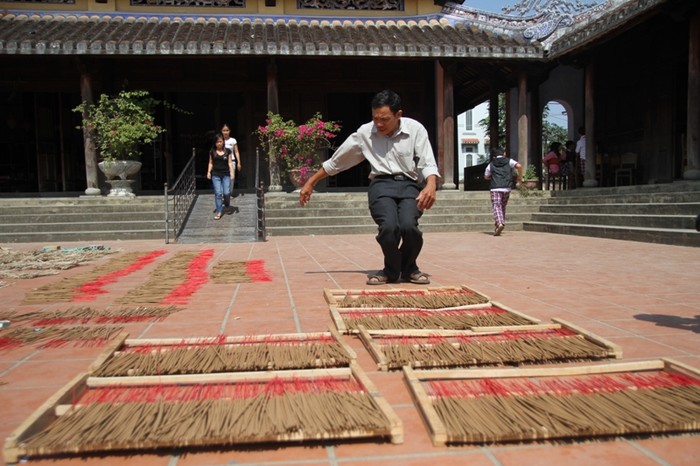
(260, 234)
(183, 195)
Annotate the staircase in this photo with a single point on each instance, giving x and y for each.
(81, 218)
(348, 213)
(662, 213)
(237, 226)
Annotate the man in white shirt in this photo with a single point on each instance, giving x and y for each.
(399, 152)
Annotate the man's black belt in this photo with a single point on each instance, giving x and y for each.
(392, 177)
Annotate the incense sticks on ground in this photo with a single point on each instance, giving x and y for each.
(509, 347)
(230, 272)
(53, 336)
(174, 281)
(269, 353)
(70, 287)
(47, 261)
(83, 315)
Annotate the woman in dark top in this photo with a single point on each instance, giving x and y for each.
(220, 172)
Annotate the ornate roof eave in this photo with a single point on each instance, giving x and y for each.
(79, 33)
(599, 27)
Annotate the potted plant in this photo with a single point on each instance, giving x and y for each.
(121, 124)
(530, 180)
(297, 149)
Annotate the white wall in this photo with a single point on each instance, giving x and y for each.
(479, 112)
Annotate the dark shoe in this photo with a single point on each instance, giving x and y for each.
(499, 230)
(418, 277)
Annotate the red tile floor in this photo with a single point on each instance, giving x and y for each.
(642, 297)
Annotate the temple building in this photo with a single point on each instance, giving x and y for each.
(626, 70)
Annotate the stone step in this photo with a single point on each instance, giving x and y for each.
(679, 208)
(81, 218)
(631, 220)
(678, 237)
(87, 236)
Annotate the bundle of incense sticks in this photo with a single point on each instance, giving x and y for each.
(215, 355)
(47, 261)
(424, 299)
(565, 407)
(174, 281)
(229, 272)
(509, 347)
(458, 319)
(119, 417)
(83, 315)
(86, 286)
(56, 336)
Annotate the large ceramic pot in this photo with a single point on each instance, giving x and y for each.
(298, 178)
(117, 173)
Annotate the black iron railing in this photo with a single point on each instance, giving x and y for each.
(260, 234)
(183, 195)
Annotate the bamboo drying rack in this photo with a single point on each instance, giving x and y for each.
(337, 314)
(335, 297)
(440, 435)
(61, 403)
(370, 340)
(165, 344)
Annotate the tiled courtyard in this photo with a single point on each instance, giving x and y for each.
(643, 297)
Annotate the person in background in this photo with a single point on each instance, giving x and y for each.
(220, 171)
(581, 152)
(570, 154)
(231, 144)
(551, 160)
(404, 183)
(500, 173)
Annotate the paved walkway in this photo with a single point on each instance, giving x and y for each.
(643, 297)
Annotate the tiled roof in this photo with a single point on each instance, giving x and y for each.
(39, 33)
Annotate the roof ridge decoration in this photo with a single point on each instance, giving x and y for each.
(535, 20)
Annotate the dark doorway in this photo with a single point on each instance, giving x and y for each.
(351, 111)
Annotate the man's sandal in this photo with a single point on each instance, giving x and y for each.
(419, 278)
(378, 278)
(218, 215)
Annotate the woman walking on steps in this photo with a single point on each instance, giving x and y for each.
(220, 171)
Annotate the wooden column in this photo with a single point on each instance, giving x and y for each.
(692, 169)
(589, 180)
(273, 106)
(91, 175)
(444, 97)
(535, 133)
(523, 124)
(494, 134)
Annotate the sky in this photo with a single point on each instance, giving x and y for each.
(489, 5)
(495, 6)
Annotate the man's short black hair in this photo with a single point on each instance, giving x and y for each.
(496, 151)
(387, 98)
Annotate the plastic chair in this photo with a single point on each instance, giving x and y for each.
(627, 170)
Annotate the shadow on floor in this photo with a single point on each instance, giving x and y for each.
(683, 323)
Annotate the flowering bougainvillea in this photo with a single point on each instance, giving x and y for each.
(297, 147)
